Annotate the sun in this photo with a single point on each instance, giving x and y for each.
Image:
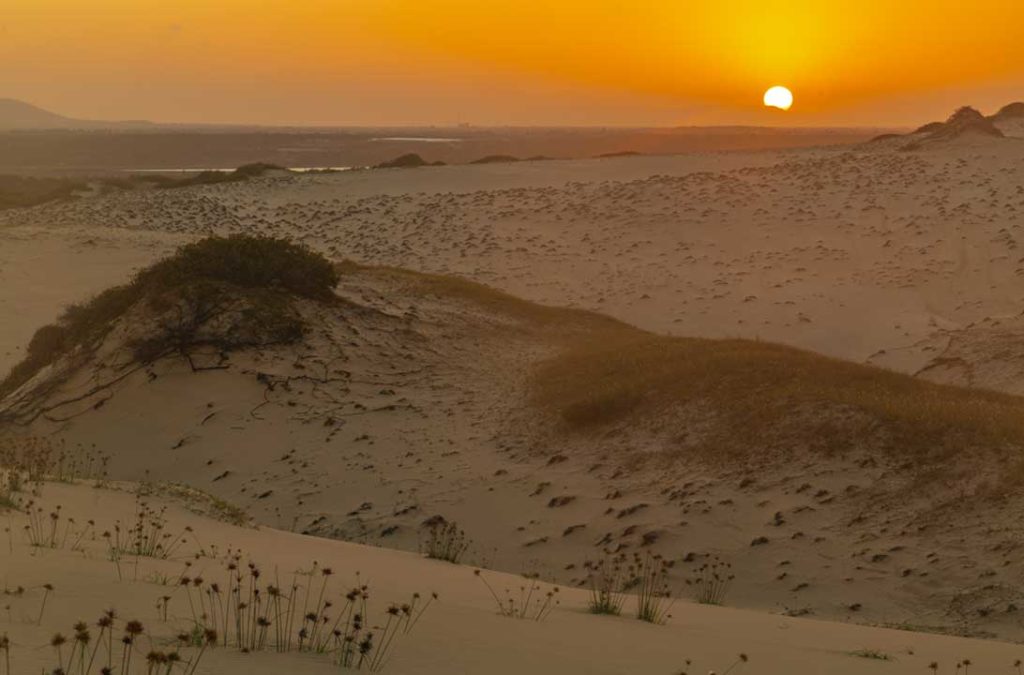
(779, 97)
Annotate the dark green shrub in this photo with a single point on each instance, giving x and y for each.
(20, 191)
(257, 276)
(250, 262)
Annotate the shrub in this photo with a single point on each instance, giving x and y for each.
(248, 262)
(409, 161)
(21, 191)
(242, 173)
(196, 281)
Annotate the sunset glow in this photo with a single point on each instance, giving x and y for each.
(659, 62)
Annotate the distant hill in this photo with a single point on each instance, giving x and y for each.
(1010, 120)
(1011, 111)
(966, 121)
(16, 114)
(964, 125)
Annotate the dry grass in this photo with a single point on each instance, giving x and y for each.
(747, 396)
(731, 399)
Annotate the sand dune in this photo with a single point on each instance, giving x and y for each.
(550, 436)
(421, 399)
(862, 255)
(461, 632)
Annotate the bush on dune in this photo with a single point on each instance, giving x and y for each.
(201, 277)
(408, 161)
(242, 173)
(22, 191)
(496, 159)
(247, 262)
(166, 182)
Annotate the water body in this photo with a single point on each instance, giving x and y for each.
(416, 139)
(296, 169)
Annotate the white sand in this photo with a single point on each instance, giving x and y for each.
(906, 260)
(880, 256)
(461, 633)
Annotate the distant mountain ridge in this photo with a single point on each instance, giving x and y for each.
(15, 114)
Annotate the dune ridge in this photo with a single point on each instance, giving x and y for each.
(800, 364)
(396, 405)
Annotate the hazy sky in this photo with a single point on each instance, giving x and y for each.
(511, 61)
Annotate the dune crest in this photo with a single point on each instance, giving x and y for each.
(548, 436)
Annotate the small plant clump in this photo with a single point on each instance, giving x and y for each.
(108, 654)
(444, 541)
(252, 614)
(27, 461)
(711, 581)
(648, 578)
(531, 601)
(148, 536)
(605, 579)
(49, 528)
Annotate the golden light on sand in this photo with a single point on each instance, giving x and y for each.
(779, 97)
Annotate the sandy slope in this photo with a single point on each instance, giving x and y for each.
(414, 399)
(461, 633)
(43, 271)
(867, 255)
(906, 260)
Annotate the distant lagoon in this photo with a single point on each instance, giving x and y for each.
(417, 139)
(296, 169)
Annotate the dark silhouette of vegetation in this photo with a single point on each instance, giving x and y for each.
(167, 182)
(256, 277)
(409, 161)
(240, 174)
(21, 191)
(444, 541)
(495, 159)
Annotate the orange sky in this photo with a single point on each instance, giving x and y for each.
(511, 61)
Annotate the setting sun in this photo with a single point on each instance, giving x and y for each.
(779, 97)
